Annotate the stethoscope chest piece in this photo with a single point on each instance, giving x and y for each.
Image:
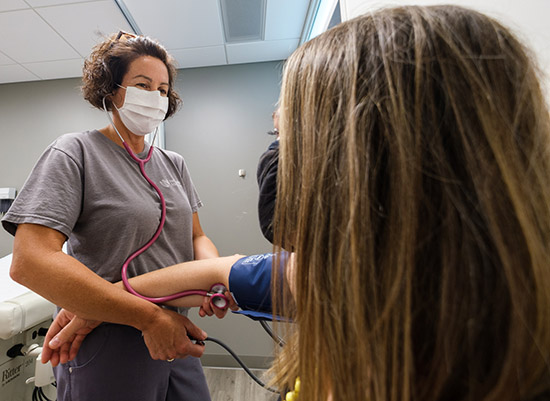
(217, 296)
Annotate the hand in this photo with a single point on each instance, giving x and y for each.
(167, 336)
(65, 336)
(207, 309)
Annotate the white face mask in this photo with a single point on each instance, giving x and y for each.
(142, 110)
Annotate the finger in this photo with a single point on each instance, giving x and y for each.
(66, 334)
(232, 303)
(75, 346)
(55, 328)
(194, 331)
(220, 313)
(64, 352)
(155, 356)
(195, 350)
(207, 307)
(205, 312)
(46, 354)
(157, 353)
(54, 358)
(187, 347)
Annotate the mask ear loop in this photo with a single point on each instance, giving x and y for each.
(111, 120)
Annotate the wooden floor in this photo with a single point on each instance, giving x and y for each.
(231, 384)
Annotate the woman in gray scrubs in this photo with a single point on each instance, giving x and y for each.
(87, 191)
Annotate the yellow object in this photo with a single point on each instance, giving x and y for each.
(293, 395)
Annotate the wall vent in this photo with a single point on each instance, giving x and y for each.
(243, 20)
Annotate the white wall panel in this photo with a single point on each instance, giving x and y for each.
(15, 73)
(5, 60)
(45, 3)
(200, 56)
(25, 37)
(11, 5)
(260, 51)
(85, 24)
(179, 24)
(40, 33)
(57, 69)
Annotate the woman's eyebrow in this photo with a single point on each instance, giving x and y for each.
(149, 79)
(144, 77)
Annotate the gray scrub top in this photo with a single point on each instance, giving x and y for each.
(89, 188)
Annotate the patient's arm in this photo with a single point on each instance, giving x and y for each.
(68, 331)
(195, 275)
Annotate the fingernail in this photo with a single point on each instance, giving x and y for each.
(54, 342)
(204, 334)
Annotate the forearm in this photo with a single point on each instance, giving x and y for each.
(204, 248)
(193, 275)
(67, 283)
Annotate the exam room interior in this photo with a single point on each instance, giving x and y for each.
(220, 130)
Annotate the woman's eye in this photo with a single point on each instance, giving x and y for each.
(143, 86)
(163, 92)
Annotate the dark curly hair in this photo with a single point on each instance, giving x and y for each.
(109, 60)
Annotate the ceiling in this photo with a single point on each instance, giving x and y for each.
(49, 39)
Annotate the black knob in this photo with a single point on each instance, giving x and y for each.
(42, 331)
(15, 351)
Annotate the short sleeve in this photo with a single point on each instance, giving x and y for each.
(51, 196)
(185, 176)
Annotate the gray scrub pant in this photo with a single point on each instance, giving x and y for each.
(114, 364)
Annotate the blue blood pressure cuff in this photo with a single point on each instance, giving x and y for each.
(250, 282)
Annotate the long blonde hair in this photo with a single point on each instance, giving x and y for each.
(414, 187)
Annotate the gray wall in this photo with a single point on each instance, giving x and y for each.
(220, 129)
(32, 115)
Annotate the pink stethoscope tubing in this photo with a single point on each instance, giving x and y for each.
(216, 293)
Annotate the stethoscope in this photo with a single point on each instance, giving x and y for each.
(216, 292)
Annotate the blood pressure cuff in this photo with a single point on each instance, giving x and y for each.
(250, 282)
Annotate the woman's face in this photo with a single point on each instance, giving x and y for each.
(147, 73)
